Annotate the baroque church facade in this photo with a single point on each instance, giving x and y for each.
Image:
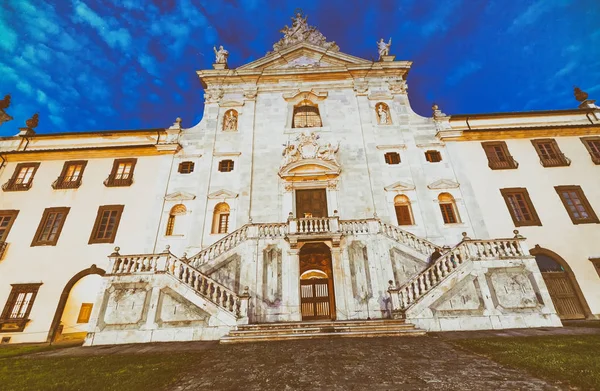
(309, 192)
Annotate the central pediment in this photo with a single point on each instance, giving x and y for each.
(310, 168)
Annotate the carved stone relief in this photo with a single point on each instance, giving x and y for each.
(175, 311)
(359, 270)
(404, 266)
(464, 298)
(227, 272)
(272, 276)
(125, 305)
(512, 289)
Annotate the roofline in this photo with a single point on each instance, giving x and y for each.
(89, 133)
(520, 113)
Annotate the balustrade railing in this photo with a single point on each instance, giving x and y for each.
(423, 246)
(354, 226)
(415, 288)
(203, 285)
(271, 230)
(313, 225)
(219, 247)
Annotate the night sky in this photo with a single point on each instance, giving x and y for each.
(93, 65)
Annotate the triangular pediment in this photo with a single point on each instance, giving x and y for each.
(400, 186)
(304, 56)
(180, 196)
(222, 193)
(443, 184)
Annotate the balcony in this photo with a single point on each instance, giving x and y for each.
(3, 247)
(14, 186)
(113, 182)
(67, 182)
(505, 163)
(558, 160)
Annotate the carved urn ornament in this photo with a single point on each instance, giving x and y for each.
(4, 104)
(579, 94)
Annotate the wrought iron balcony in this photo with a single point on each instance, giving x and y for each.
(505, 163)
(558, 160)
(67, 182)
(14, 186)
(112, 182)
(3, 247)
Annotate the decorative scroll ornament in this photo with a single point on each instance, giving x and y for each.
(441, 120)
(306, 147)
(212, 95)
(302, 32)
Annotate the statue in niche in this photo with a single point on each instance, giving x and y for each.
(230, 121)
(383, 114)
(221, 55)
(384, 48)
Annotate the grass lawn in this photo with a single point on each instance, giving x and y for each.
(110, 372)
(570, 358)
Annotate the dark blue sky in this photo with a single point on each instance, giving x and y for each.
(94, 65)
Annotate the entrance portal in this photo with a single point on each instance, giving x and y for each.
(311, 203)
(317, 300)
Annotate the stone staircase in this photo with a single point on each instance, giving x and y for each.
(321, 329)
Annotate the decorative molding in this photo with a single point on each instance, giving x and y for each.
(431, 144)
(397, 86)
(400, 186)
(298, 95)
(361, 87)
(222, 194)
(231, 103)
(391, 146)
(380, 95)
(443, 184)
(216, 154)
(180, 196)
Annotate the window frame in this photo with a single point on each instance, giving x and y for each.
(82, 317)
(596, 263)
(94, 234)
(452, 207)
(36, 238)
(223, 216)
(494, 162)
(11, 185)
(8, 324)
(182, 167)
(13, 213)
(535, 218)
(222, 162)
(593, 154)
(306, 103)
(60, 182)
(111, 181)
(592, 217)
(428, 155)
(560, 161)
(388, 157)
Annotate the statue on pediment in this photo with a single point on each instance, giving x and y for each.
(220, 55)
(302, 32)
(384, 48)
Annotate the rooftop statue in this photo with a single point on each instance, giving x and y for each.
(221, 55)
(384, 48)
(4, 104)
(302, 32)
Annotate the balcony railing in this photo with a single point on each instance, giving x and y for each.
(559, 160)
(3, 247)
(112, 182)
(67, 182)
(13, 186)
(505, 163)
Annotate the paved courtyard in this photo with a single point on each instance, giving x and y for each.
(406, 363)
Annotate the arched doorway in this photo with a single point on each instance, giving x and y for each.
(64, 297)
(317, 299)
(562, 285)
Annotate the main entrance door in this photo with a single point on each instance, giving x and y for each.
(311, 203)
(561, 289)
(316, 282)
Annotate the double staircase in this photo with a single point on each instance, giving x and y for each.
(310, 330)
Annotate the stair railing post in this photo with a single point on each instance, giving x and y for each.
(393, 292)
(373, 226)
(334, 222)
(293, 224)
(244, 304)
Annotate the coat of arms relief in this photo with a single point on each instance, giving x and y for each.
(306, 146)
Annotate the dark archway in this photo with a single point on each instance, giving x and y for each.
(563, 280)
(64, 296)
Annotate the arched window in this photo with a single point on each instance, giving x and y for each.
(403, 210)
(177, 210)
(230, 121)
(306, 115)
(383, 114)
(448, 208)
(220, 218)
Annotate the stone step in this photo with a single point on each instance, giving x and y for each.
(355, 334)
(325, 329)
(326, 323)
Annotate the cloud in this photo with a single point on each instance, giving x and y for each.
(8, 42)
(118, 37)
(463, 71)
(566, 69)
(24, 87)
(534, 12)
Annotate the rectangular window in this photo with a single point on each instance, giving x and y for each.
(50, 226)
(498, 156)
(22, 178)
(186, 167)
(576, 204)
(70, 177)
(106, 224)
(18, 306)
(223, 223)
(85, 312)
(593, 146)
(7, 218)
(448, 213)
(392, 158)
(549, 153)
(520, 207)
(122, 173)
(433, 156)
(403, 215)
(226, 165)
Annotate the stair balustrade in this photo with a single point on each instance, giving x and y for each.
(408, 294)
(220, 246)
(313, 225)
(421, 245)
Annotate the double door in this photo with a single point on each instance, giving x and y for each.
(311, 203)
(314, 299)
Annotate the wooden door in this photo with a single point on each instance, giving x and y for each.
(563, 295)
(314, 299)
(311, 202)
